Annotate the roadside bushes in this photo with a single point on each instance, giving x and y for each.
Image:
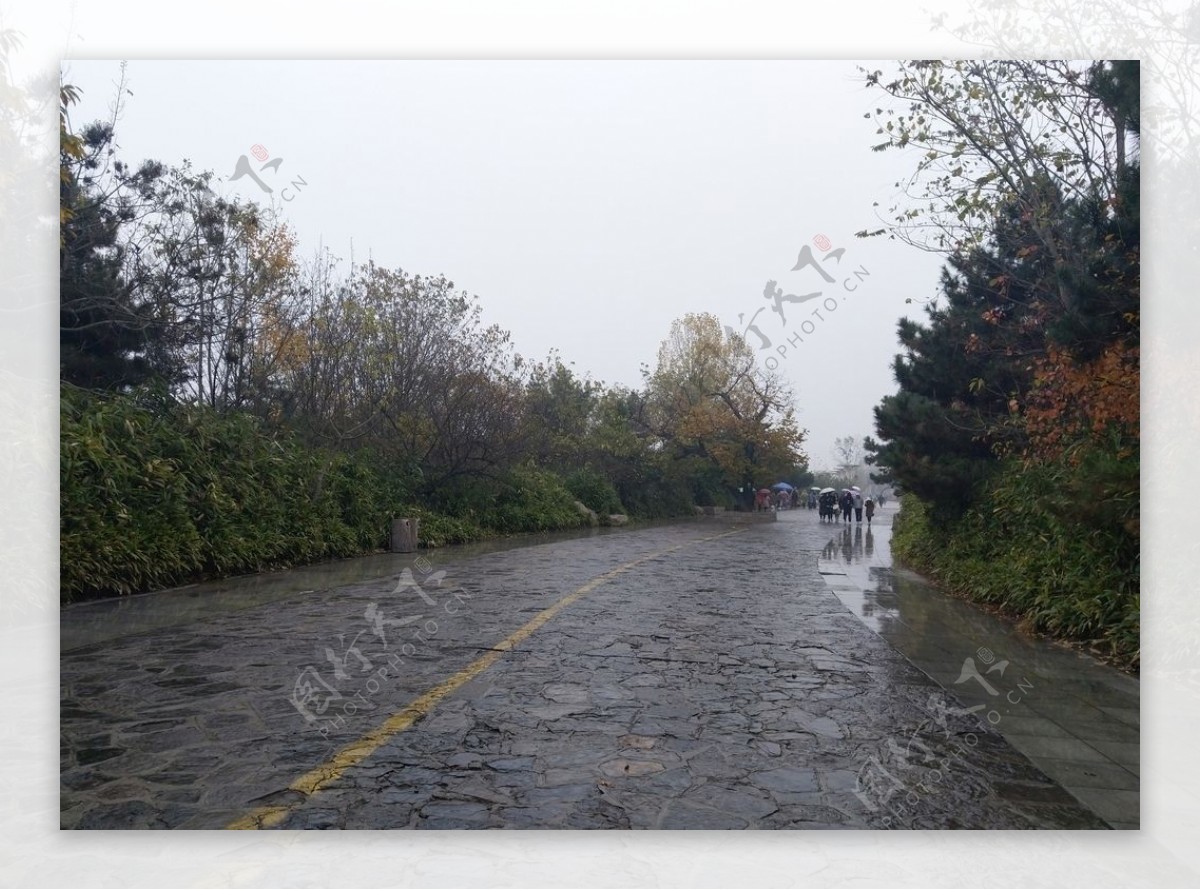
(653, 491)
(154, 493)
(440, 530)
(1037, 544)
(532, 500)
(594, 492)
(124, 518)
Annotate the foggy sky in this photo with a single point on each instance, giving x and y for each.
(586, 203)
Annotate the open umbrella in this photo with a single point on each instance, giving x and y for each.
(782, 486)
(827, 490)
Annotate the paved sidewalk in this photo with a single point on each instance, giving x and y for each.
(1074, 717)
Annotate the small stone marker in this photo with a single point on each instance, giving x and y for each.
(404, 535)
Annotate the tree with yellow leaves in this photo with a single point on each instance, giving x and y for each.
(727, 421)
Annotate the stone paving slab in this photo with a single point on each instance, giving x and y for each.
(720, 685)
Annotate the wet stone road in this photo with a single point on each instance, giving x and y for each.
(700, 675)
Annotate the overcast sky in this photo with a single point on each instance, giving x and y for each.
(586, 203)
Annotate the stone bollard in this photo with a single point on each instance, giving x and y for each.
(404, 535)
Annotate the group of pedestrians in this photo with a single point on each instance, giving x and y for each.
(852, 501)
(784, 499)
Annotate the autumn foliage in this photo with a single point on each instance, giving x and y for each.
(1072, 402)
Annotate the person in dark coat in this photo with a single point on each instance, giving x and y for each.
(828, 506)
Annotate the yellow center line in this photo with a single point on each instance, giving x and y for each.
(322, 776)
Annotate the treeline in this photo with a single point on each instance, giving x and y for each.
(1015, 430)
(227, 407)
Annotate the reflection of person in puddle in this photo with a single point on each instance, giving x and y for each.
(830, 550)
(858, 542)
(847, 553)
(870, 542)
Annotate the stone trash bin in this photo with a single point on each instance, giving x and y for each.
(405, 535)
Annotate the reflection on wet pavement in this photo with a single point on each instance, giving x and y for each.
(1075, 718)
(84, 624)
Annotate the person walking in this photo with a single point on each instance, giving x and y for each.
(858, 506)
(869, 508)
(847, 504)
(829, 506)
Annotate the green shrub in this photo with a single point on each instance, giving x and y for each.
(654, 492)
(1043, 542)
(124, 518)
(533, 500)
(154, 493)
(594, 492)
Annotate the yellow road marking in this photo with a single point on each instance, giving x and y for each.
(354, 753)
